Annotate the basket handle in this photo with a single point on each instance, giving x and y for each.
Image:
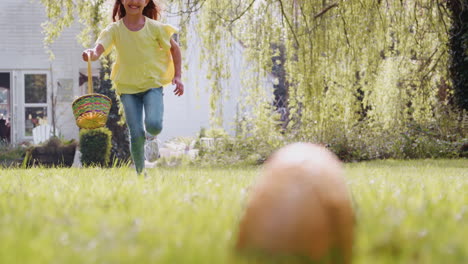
(90, 75)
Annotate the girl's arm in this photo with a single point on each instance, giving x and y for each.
(177, 58)
(95, 53)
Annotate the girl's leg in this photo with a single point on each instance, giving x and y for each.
(154, 110)
(133, 107)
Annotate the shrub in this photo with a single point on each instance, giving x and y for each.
(9, 152)
(52, 153)
(442, 137)
(11, 155)
(359, 143)
(95, 146)
(239, 150)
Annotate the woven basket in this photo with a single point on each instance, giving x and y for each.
(91, 110)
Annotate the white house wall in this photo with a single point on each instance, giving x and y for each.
(186, 115)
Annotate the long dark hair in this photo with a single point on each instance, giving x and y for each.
(151, 10)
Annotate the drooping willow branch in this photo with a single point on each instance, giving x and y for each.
(191, 8)
(242, 13)
(285, 16)
(319, 14)
(288, 22)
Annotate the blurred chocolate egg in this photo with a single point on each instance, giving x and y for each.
(299, 205)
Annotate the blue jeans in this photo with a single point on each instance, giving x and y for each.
(152, 103)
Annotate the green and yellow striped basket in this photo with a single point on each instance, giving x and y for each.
(91, 110)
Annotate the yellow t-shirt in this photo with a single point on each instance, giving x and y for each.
(143, 58)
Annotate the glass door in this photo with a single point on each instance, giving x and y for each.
(35, 101)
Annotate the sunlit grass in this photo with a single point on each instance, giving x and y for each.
(411, 212)
(407, 212)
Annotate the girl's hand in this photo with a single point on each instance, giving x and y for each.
(88, 53)
(93, 53)
(179, 90)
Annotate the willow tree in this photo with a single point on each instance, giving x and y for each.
(345, 63)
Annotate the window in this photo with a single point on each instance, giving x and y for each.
(35, 101)
(35, 88)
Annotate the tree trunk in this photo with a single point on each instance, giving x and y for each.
(459, 51)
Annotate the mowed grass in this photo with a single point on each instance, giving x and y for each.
(406, 212)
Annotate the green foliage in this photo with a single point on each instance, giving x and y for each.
(372, 67)
(244, 149)
(11, 155)
(343, 63)
(174, 161)
(95, 146)
(215, 133)
(416, 143)
(443, 138)
(8, 152)
(380, 67)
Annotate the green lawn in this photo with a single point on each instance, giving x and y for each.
(407, 212)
